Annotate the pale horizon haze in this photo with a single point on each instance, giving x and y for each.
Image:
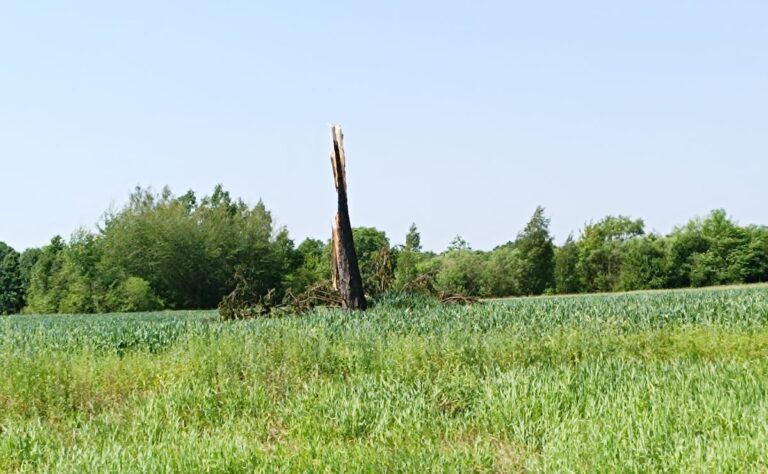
(459, 116)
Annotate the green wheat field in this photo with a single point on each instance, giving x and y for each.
(673, 381)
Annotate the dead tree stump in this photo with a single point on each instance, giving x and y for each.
(346, 271)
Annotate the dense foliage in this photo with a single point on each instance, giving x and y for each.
(11, 282)
(670, 381)
(184, 252)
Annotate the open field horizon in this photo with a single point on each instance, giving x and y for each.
(547, 219)
(630, 292)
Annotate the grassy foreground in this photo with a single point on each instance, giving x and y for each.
(662, 381)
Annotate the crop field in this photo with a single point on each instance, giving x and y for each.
(673, 381)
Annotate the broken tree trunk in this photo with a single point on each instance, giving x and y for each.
(346, 272)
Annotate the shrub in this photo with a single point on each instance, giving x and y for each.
(135, 294)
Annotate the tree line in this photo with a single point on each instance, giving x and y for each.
(184, 252)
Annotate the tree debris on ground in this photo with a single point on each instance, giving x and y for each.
(244, 304)
(425, 284)
(239, 305)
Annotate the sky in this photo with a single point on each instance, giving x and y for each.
(459, 116)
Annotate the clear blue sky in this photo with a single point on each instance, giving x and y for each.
(460, 116)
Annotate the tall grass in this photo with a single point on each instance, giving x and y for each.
(663, 381)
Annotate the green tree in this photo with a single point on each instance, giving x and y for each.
(287, 259)
(134, 294)
(462, 272)
(458, 243)
(645, 264)
(155, 238)
(71, 278)
(314, 265)
(373, 249)
(729, 256)
(503, 272)
(11, 282)
(536, 255)
(263, 255)
(566, 274)
(408, 258)
(601, 251)
(685, 243)
(193, 251)
(754, 258)
(407, 267)
(413, 239)
(45, 291)
(27, 262)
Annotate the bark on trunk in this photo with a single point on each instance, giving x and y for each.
(346, 272)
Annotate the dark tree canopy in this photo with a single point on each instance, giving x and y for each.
(537, 253)
(11, 281)
(566, 274)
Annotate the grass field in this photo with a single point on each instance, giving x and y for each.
(662, 381)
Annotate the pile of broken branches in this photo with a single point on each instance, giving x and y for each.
(242, 303)
(425, 284)
(239, 305)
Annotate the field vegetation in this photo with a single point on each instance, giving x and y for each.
(672, 381)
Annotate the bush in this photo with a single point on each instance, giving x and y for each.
(462, 272)
(135, 294)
